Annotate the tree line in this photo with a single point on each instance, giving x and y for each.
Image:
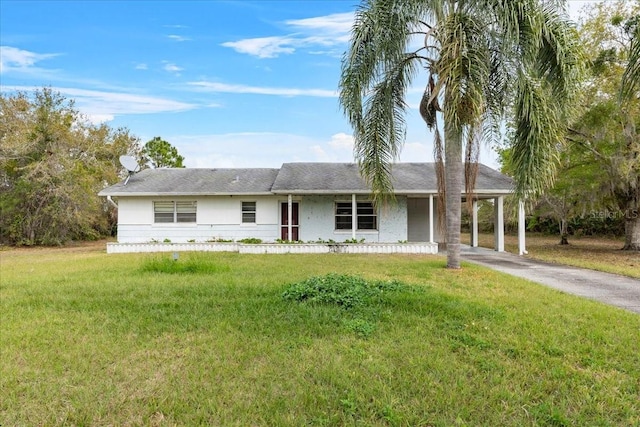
(54, 161)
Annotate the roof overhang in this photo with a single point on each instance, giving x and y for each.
(180, 194)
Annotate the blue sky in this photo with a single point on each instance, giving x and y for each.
(229, 83)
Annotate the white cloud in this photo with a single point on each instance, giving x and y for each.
(100, 105)
(178, 38)
(172, 68)
(141, 67)
(12, 58)
(254, 149)
(341, 141)
(326, 31)
(264, 47)
(271, 149)
(337, 23)
(416, 152)
(100, 118)
(235, 88)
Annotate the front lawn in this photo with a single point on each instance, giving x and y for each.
(93, 339)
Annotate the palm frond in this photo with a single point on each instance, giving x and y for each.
(438, 155)
(379, 143)
(539, 132)
(376, 72)
(631, 77)
(560, 60)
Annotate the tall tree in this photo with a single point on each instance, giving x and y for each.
(480, 57)
(158, 153)
(607, 133)
(53, 162)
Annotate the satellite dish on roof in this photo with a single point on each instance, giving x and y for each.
(131, 164)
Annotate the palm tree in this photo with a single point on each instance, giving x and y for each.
(631, 77)
(481, 57)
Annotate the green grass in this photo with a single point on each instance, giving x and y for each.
(93, 339)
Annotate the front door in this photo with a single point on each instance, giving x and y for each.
(418, 220)
(284, 227)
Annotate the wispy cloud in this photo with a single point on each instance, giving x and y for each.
(247, 149)
(172, 68)
(102, 105)
(264, 47)
(141, 66)
(341, 141)
(15, 59)
(178, 38)
(325, 31)
(258, 90)
(338, 149)
(337, 23)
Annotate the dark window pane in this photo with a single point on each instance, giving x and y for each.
(186, 211)
(248, 212)
(343, 223)
(367, 222)
(343, 216)
(343, 208)
(163, 211)
(365, 208)
(248, 217)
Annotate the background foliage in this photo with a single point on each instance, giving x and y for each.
(597, 185)
(158, 153)
(53, 162)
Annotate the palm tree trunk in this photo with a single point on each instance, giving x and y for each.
(453, 192)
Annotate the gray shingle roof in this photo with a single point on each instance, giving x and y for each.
(292, 178)
(190, 182)
(408, 178)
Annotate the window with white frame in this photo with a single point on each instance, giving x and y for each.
(366, 216)
(248, 212)
(172, 212)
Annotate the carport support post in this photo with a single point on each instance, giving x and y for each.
(289, 216)
(474, 224)
(431, 236)
(522, 249)
(499, 223)
(354, 216)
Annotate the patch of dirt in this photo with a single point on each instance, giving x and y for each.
(71, 247)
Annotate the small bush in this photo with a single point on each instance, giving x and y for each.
(356, 299)
(190, 264)
(251, 240)
(339, 289)
(354, 240)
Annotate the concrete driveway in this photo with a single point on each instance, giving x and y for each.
(619, 291)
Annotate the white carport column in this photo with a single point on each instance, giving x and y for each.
(289, 216)
(522, 248)
(431, 236)
(354, 216)
(474, 224)
(499, 223)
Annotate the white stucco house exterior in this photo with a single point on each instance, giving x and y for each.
(309, 202)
